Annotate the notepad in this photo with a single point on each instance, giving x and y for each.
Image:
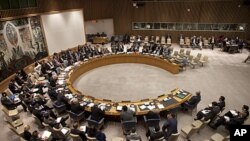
(132, 108)
(35, 89)
(91, 104)
(64, 130)
(151, 107)
(46, 134)
(83, 128)
(142, 107)
(119, 108)
(58, 119)
(160, 106)
(233, 112)
(205, 111)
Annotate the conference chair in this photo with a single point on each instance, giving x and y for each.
(152, 122)
(188, 53)
(203, 60)
(198, 56)
(91, 138)
(189, 130)
(174, 137)
(76, 117)
(160, 139)
(8, 92)
(200, 124)
(181, 43)
(181, 53)
(219, 137)
(47, 127)
(187, 42)
(127, 126)
(10, 115)
(175, 55)
(62, 133)
(75, 137)
(206, 44)
(163, 40)
(194, 62)
(15, 123)
(60, 108)
(18, 131)
(96, 124)
(146, 39)
(157, 39)
(169, 41)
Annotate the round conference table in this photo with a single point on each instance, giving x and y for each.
(162, 102)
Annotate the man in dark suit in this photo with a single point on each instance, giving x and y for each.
(170, 126)
(13, 87)
(193, 101)
(76, 107)
(96, 113)
(7, 102)
(209, 112)
(75, 131)
(155, 134)
(127, 114)
(232, 117)
(221, 102)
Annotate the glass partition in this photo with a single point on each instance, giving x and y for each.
(236, 27)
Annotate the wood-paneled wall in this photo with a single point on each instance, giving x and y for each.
(123, 13)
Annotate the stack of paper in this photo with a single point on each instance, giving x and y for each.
(91, 104)
(83, 128)
(46, 134)
(233, 112)
(58, 120)
(142, 107)
(64, 131)
(151, 107)
(166, 99)
(160, 106)
(132, 108)
(119, 108)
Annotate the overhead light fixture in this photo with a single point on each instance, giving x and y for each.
(135, 4)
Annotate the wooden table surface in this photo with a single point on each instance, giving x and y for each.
(131, 58)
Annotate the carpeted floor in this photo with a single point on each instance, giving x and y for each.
(225, 74)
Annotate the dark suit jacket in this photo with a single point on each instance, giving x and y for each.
(171, 126)
(80, 133)
(96, 113)
(194, 100)
(27, 135)
(221, 104)
(156, 135)
(76, 108)
(8, 103)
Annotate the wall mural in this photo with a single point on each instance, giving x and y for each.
(21, 43)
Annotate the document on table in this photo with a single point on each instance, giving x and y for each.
(151, 107)
(83, 128)
(233, 112)
(91, 104)
(119, 108)
(160, 106)
(142, 107)
(58, 119)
